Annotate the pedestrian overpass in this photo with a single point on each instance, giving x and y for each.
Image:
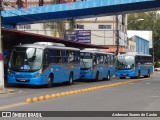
(77, 10)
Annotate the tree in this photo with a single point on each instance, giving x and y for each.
(58, 28)
(151, 22)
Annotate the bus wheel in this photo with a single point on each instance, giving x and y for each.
(139, 74)
(50, 82)
(97, 76)
(148, 75)
(108, 76)
(70, 82)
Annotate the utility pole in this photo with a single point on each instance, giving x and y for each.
(117, 36)
(1, 52)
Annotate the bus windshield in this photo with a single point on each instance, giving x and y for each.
(26, 59)
(125, 62)
(86, 60)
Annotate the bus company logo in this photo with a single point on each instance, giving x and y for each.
(21, 114)
(6, 114)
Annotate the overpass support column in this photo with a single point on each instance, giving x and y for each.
(1, 53)
(117, 35)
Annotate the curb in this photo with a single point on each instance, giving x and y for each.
(67, 93)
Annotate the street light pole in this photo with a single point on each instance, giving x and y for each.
(1, 52)
(140, 19)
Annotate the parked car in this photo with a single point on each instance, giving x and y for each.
(157, 69)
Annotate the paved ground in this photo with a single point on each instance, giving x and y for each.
(135, 96)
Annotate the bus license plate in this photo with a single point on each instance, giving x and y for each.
(22, 80)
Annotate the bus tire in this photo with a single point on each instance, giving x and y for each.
(148, 75)
(97, 76)
(70, 82)
(139, 74)
(50, 81)
(108, 76)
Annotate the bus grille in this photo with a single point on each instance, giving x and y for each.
(23, 76)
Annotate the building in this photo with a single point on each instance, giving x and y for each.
(131, 45)
(138, 44)
(103, 30)
(143, 34)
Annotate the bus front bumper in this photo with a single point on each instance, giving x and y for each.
(125, 74)
(27, 81)
(87, 76)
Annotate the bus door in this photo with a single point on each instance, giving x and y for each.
(55, 64)
(95, 64)
(45, 67)
(66, 63)
(100, 65)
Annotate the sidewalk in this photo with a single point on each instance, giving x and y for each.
(5, 91)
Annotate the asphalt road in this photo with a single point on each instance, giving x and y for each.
(135, 96)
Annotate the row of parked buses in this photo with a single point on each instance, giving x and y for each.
(39, 64)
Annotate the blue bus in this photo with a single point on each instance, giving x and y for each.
(96, 64)
(40, 64)
(133, 65)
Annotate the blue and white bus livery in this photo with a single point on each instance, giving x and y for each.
(96, 64)
(133, 65)
(37, 64)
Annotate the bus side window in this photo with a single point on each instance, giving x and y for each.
(109, 59)
(51, 56)
(105, 59)
(112, 59)
(64, 60)
(94, 60)
(58, 56)
(45, 59)
(101, 59)
(76, 56)
(98, 58)
(70, 56)
(137, 60)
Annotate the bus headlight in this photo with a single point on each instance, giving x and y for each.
(10, 73)
(38, 74)
(133, 70)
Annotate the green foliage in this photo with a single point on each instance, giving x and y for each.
(151, 22)
(156, 64)
(71, 25)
